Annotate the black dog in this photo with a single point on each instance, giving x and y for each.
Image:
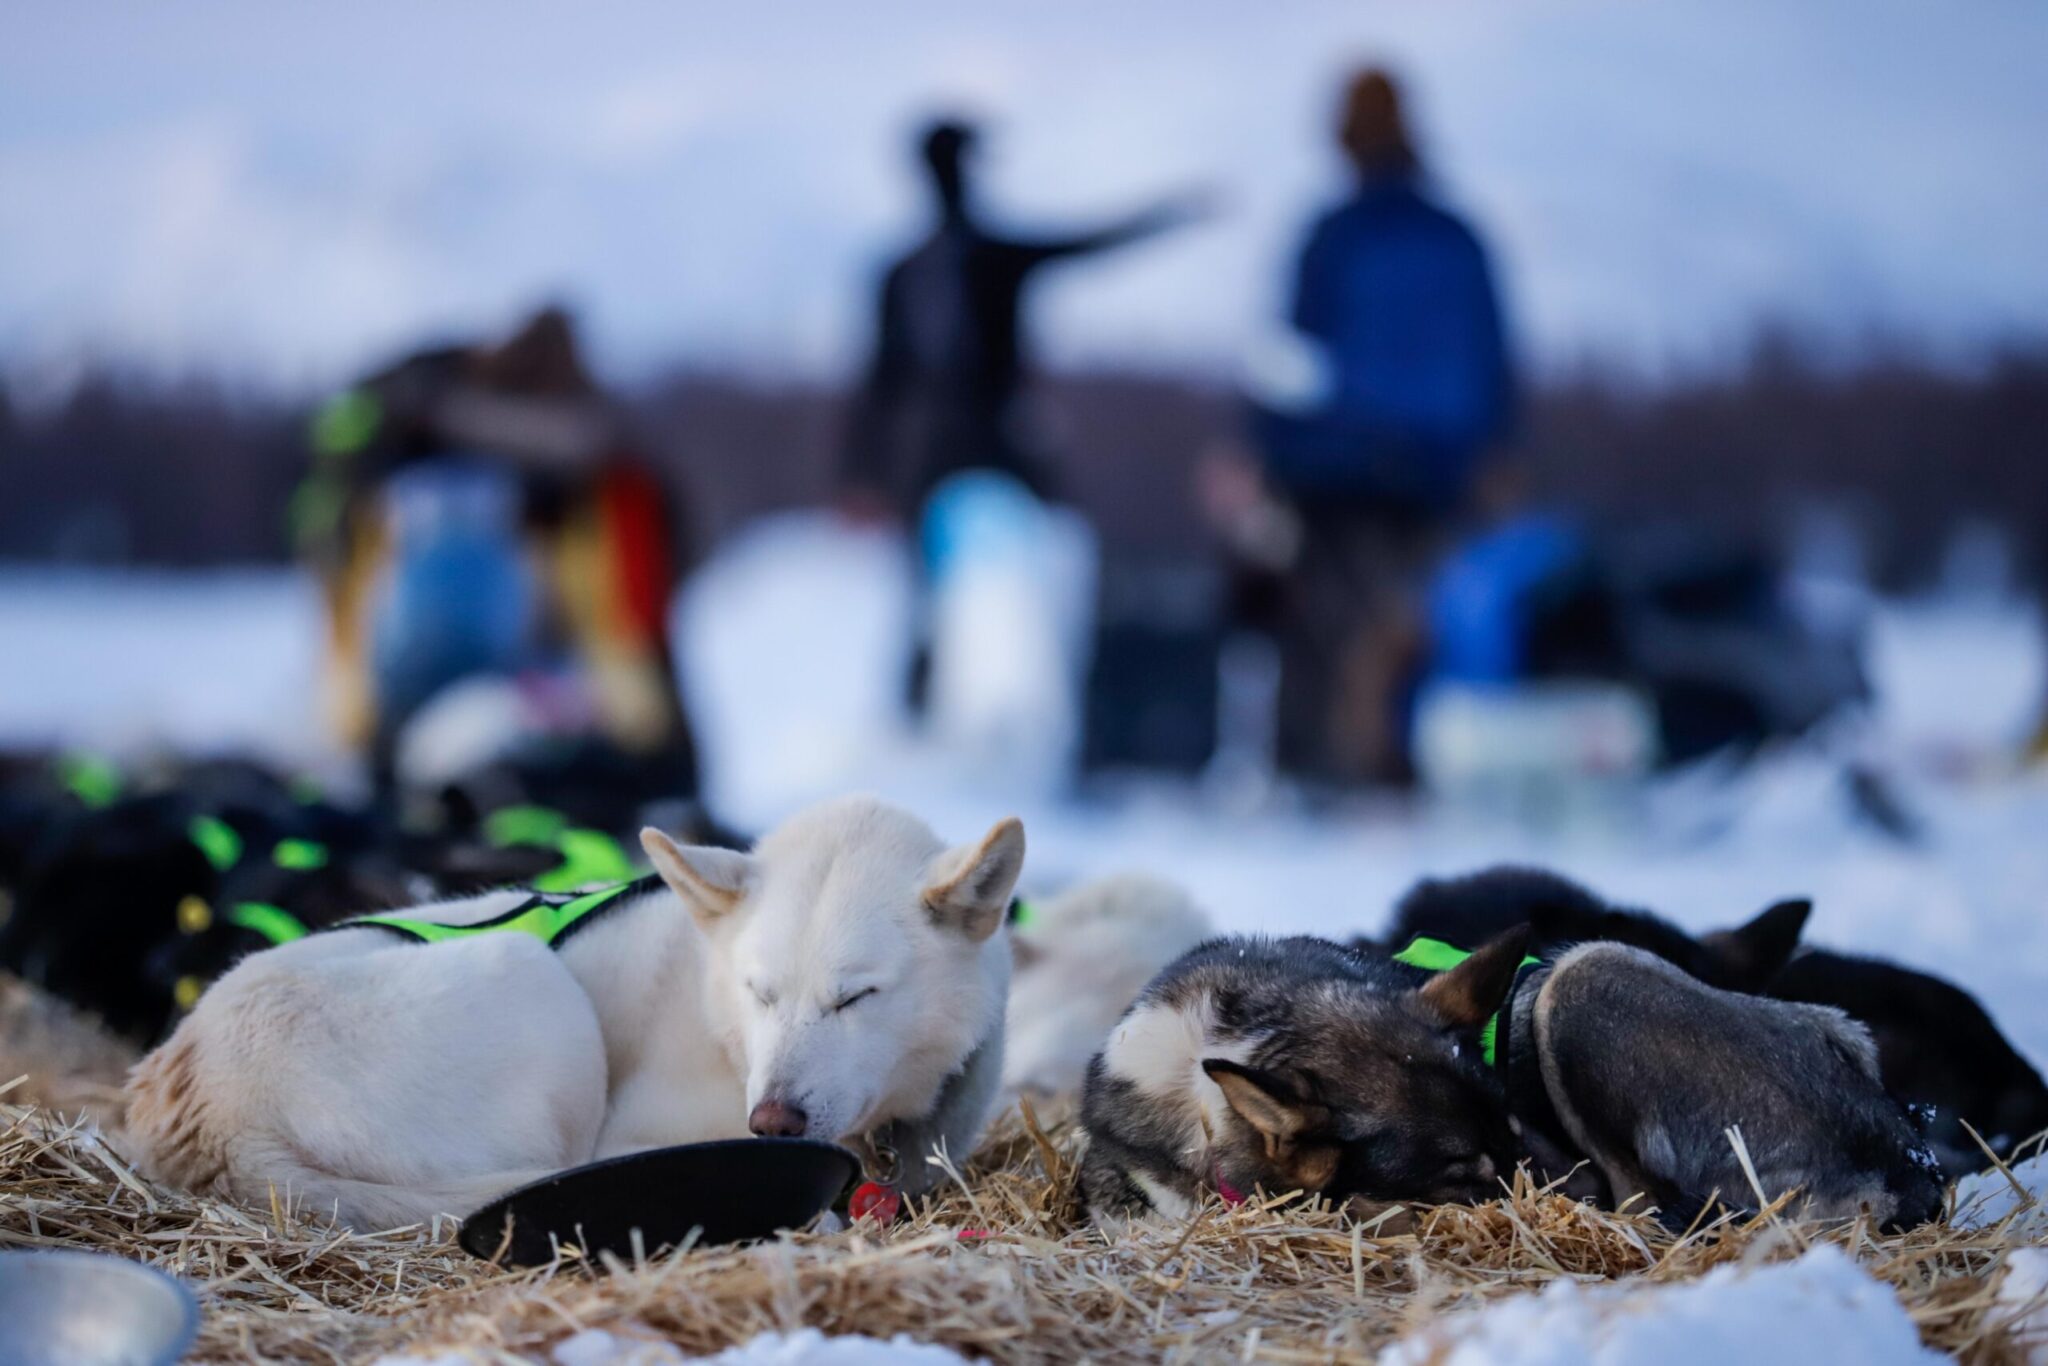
(102, 889)
(1559, 912)
(1938, 1048)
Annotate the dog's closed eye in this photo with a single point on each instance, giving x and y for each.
(766, 998)
(845, 1001)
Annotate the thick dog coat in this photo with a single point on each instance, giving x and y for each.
(1938, 1050)
(1618, 1056)
(844, 980)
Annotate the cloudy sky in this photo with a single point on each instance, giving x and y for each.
(281, 192)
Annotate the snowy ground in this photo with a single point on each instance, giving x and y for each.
(792, 656)
(791, 652)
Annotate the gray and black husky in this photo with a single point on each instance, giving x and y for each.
(1296, 1064)
(1615, 1056)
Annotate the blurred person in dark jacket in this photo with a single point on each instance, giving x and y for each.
(1372, 424)
(940, 394)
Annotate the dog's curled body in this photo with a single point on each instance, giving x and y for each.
(847, 976)
(1296, 1064)
(392, 1081)
(1643, 1069)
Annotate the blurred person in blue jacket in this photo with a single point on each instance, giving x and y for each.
(1373, 421)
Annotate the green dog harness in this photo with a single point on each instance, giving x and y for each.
(274, 923)
(1434, 955)
(548, 917)
(587, 855)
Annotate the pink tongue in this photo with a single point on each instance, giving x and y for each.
(1231, 1194)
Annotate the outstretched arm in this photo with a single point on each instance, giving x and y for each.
(1170, 213)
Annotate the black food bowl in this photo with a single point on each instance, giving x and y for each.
(731, 1190)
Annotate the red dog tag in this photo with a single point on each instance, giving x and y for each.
(874, 1198)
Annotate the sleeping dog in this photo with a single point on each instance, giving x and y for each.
(1615, 1056)
(845, 980)
(1298, 1065)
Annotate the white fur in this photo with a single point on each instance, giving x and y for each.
(392, 1081)
(1160, 1048)
(1168, 1204)
(1082, 959)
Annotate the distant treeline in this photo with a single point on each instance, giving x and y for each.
(128, 472)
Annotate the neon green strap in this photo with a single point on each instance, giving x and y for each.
(345, 423)
(1434, 955)
(274, 923)
(91, 779)
(588, 856)
(540, 917)
(524, 825)
(217, 840)
(299, 855)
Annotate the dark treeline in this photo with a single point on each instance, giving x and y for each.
(135, 473)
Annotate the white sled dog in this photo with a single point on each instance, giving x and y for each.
(845, 980)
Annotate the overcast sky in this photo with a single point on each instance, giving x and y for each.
(282, 192)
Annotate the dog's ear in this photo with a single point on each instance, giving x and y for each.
(710, 880)
(970, 886)
(1470, 994)
(1756, 952)
(1267, 1102)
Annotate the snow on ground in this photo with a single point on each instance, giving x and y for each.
(2023, 1302)
(209, 661)
(1818, 1308)
(792, 646)
(806, 1347)
(1984, 1198)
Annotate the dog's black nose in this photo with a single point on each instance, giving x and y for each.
(778, 1119)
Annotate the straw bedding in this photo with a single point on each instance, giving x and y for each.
(997, 1265)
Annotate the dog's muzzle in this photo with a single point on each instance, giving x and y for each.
(778, 1119)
